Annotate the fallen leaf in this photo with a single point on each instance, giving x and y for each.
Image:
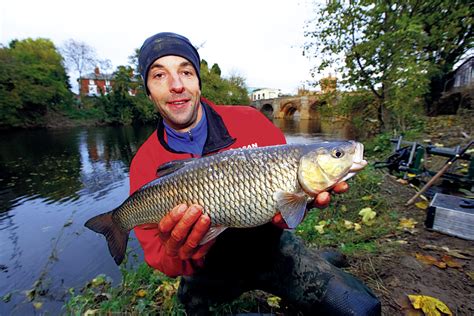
(402, 181)
(38, 305)
(274, 301)
(411, 175)
(430, 260)
(357, 226)
(348, 224)
(408, 223)
(460, 254)
(439, 145)
(343, 209)
(366, 198)
(429, 305)
(422, 205)
(141, 293)
(367, 215)
(320, 227)
(450, 262)
(470, 274)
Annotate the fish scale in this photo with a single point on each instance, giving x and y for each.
(245, 173)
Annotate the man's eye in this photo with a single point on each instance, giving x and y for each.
(158, 75)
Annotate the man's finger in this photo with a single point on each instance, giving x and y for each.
(341, 187)
(182, 228)
(279, 221)
(195, 236)
(167, 223)
(322, 199)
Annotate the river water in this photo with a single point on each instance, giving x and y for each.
(51, 182)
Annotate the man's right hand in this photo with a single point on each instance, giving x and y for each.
(182, 230)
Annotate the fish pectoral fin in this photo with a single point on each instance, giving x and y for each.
(212, 233)
(292, 207)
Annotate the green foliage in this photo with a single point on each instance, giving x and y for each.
(395, 50)
(142, 290)
(222, 90)
(120, 106)
(32, 82)
(145, 290)
(364, 193)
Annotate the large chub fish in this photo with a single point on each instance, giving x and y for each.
(237, 188)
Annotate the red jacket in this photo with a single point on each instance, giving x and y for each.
(228, 127)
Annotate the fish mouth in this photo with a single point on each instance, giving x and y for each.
(358, 162)
(358, 165)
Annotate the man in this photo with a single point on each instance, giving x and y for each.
(238, 260)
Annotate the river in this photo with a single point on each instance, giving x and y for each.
(51, 182)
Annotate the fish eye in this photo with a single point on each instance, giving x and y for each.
(337, 153)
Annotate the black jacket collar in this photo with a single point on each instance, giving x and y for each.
(217, 134)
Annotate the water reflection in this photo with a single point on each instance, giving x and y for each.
(51, 182)
(304, 130)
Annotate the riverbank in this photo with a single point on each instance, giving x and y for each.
(393, 253)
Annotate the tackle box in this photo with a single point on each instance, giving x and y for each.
(452, 215)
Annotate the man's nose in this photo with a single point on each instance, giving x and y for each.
(176, 84)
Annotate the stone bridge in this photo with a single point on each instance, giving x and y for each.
(306, 107)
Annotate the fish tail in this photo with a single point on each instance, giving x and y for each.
(116, 238)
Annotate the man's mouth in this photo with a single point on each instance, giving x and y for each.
(178, 102)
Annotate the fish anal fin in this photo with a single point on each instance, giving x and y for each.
(117, 239)
(292, 207)
(212, 234)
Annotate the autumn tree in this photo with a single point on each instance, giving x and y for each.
(401, 51)
(32, 82)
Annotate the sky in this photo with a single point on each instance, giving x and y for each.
(260, 40)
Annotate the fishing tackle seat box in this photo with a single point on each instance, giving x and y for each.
(451, 215)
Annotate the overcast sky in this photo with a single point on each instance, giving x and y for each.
(259, 39)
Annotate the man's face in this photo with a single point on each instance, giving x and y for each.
(174, 88)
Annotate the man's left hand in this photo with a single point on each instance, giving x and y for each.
(320, 201)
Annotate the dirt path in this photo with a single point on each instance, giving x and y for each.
(395, 272)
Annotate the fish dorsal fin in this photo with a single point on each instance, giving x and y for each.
(212, 233)
(171, 166)
(292, 207)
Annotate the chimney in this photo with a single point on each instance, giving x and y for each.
(97, 71)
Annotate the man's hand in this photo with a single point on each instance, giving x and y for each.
(320, 201)
(181, 231)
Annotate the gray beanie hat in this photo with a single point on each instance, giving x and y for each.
(165, 44)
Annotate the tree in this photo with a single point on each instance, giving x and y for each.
(221, 90)
(32, 81)
(400, 51)
(80, 58)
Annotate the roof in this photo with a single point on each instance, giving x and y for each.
(95, 76)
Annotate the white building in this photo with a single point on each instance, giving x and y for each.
(265, 93)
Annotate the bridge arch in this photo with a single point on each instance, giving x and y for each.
(267, 110)
(291, 110)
